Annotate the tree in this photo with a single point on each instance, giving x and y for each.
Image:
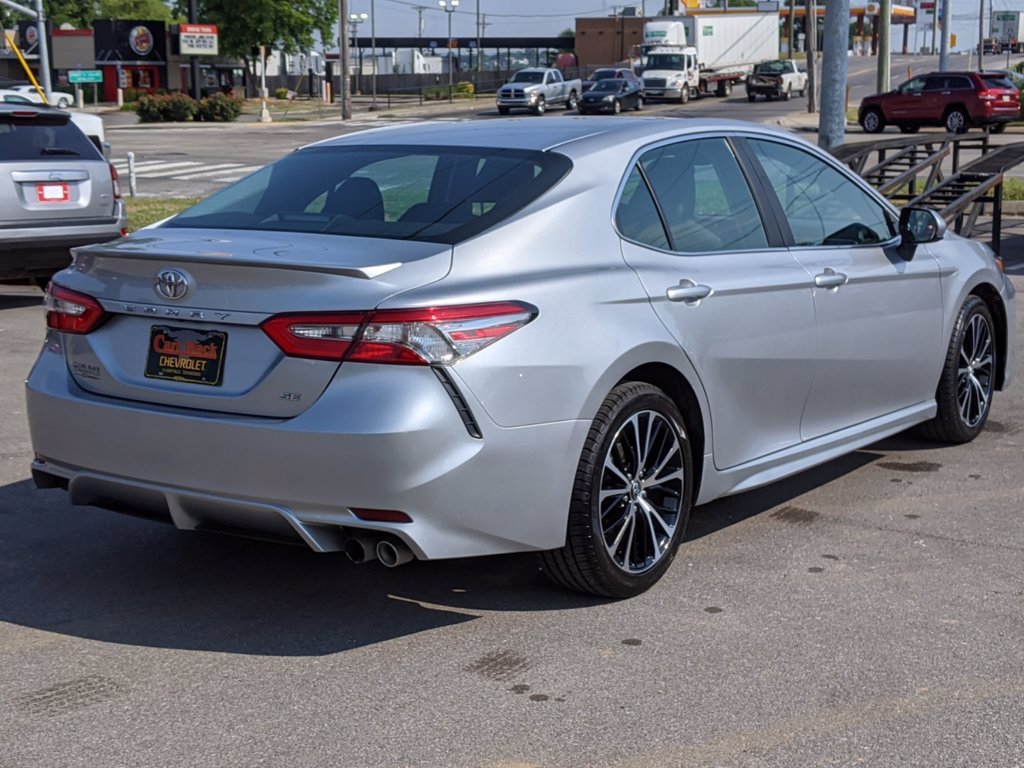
(148, 10)
(77, 13)
(288, 24)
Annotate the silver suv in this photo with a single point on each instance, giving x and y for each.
(56, 191)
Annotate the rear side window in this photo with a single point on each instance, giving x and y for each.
(40, 139)
(434, 194)
(704, 197)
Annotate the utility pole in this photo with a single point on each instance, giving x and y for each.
(193, 18)
(44, 53)
(884, 46)
(935, 27)
(834, 70)
(479, 57)
(944, 45)
(346, 103)
(981, 35)
(373, 45)
(790, 25)
(811, 47)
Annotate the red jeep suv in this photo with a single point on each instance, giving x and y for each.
(954, 100)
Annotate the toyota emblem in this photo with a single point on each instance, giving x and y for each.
(172, 284)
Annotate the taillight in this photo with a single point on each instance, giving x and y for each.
(431, 336)
(114, 180)
(986, 96)
(321, 336)
(72, 312)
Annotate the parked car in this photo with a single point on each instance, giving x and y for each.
(58, 99)
(776, 79)
(610, 73)
(536, 89)
(9, 96)
(446, 340)
(955, 100)
(56, 191)
(612, 96)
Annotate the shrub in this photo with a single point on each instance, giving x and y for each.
(280, 93)
(465, 89)
(131, 95)
(435, 93)
(168, 108)
(219, 108)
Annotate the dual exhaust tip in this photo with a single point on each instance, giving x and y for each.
(391, 551)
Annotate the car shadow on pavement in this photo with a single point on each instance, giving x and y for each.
(99, 575)
(22, 298)
(95, 574)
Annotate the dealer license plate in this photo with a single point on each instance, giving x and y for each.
(186, 354)
(53, 193)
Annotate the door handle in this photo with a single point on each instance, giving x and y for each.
(830, 279)
(688, 291)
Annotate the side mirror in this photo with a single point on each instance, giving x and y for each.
(919, 225)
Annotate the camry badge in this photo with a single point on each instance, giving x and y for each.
(171, 284)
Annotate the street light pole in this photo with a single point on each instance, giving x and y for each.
(355, 19)
(373, 46)
(449, 6)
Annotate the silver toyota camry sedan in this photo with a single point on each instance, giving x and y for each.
(447, 340)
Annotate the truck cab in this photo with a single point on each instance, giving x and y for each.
(671, 74)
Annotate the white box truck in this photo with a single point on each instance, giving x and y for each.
(1007, 28)
(701, 53)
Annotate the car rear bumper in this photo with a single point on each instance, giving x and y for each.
(30, 251)
(379, 438)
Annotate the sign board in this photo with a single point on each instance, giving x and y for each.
(85, 76)
(197, 39)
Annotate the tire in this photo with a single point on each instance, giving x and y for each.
(616, 107)
(751, 97)
(63, 103)
(684, 94)
(956, 121)
(997, 128)
(639, 103)
(572, 101)
(581, 110)
(624, 527)
(503, 110)
(724, 88)
(787, 94)
(904, 128)
(872, 121)
(964, 394)
(541, 107)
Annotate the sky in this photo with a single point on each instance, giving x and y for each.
(546, 18)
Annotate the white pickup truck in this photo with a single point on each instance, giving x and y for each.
(536, 89)
(776, 79)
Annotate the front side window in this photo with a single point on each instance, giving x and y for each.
(912, 86)
(821, 205)
(704, 197)
(434, 194)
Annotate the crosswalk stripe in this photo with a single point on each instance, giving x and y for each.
(237, 172)
(180, 166)
(197, 167)
(123, 163)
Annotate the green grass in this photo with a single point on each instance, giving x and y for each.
(147, 210)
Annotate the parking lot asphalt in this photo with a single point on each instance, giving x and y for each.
(867, 612)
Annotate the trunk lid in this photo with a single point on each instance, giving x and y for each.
(220, 286)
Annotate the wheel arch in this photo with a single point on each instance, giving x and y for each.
(674, 384)
(996, 308)
(962, 107)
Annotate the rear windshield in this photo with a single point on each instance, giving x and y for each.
(770, 68)
(433, 194)
(998, 81)
(43, 138)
